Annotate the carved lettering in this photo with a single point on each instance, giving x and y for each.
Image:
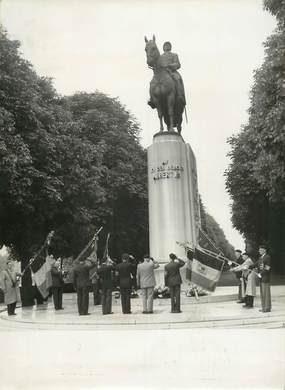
(166, 171)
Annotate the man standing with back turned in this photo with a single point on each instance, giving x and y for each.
(81, 283)
(173, 281)
(105, 273)
(125, 270)
(146, 282)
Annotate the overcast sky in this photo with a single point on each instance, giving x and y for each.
(86, 45)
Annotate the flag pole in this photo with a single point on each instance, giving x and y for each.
(88, 245)
(210, 241)
(46, 243)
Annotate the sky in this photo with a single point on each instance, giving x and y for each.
(88, 45)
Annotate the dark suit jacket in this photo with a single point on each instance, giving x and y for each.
(56, 275)
(105, 275)
(81, 274)
(125, 270)
(172, 273)
(265, 273)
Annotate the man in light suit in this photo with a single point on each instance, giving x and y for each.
(146, 282)
(173, 281)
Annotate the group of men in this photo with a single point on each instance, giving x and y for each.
(247, 272)
(145, 281)
(87, 272)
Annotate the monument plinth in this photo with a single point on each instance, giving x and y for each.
(174, 213)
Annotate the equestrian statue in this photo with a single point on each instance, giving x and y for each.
(166, 88)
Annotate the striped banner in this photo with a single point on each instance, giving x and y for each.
(206, 270)
(42, 275)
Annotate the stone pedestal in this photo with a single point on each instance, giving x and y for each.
(174, 213)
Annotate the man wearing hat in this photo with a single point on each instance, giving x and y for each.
(248, 280)
(146, 282)
(9, 284)
(264, 270)
(125, 271)
(170, 62)
(173, 281)
(57, 283)
(105, 274)
(81, 283)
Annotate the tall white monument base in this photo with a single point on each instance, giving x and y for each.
(174, 213)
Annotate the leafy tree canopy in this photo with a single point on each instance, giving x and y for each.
(256, 176)
(71, 164)
(66, 163)
(212, 236)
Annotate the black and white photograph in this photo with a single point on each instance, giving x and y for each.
(142, 194)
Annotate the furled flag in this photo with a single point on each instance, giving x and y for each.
(206, 269)
(106, 250)
(41, 274)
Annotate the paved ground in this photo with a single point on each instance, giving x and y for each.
(213, 344)
(218, 310)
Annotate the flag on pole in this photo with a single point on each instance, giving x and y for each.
(106, 251)
(206, 269)
(89, 247)
(42, 275)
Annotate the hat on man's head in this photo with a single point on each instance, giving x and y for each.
(238, 250)
(263, 247)
(146, 256)
(125, 256)
(190, 254)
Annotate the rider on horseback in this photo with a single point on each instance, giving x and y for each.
(170, 62)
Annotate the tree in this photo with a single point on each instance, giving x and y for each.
(66, 164)
(28, 184)
(256, 176)
(69, 164)
(125, 210)
(213, 236)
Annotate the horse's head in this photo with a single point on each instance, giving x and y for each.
(152, 52)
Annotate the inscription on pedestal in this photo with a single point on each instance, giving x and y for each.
(166, 170)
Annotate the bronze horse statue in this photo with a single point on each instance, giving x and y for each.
(163, 91)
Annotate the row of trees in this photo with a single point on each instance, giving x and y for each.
(66, 163)
(70, 164)
(212, 236)
(256, 176)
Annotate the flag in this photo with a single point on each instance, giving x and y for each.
(106, 251)
(206, 270)
(42, 275)
(89, 248)
(93, 248)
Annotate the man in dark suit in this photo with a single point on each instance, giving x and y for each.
(125, 271)
(57, 284)
(95, 283)
(239, 260)
(173, 281)
(264, 270)
(105, 274)
(81, 283)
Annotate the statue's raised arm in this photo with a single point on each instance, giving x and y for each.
(166, 88)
